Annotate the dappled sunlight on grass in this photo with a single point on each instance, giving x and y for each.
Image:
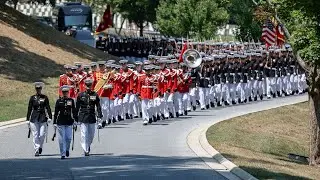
(260, 142)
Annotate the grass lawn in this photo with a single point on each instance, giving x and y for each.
(259, 143)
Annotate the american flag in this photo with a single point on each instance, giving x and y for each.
(269, 33)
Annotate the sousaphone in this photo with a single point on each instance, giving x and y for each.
(192, 58)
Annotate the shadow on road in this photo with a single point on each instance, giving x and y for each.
(136, 167)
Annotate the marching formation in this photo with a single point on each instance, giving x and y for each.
(162, 87)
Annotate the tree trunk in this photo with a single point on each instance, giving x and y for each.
(314, 104)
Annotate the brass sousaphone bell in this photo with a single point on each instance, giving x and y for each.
(192, 58)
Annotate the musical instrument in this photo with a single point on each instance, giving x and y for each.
(105, 78)
(192, 58)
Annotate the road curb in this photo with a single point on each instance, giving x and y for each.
(198, 143)
(12, 123)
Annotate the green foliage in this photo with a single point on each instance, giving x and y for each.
(194, 18)
(242, 13)
(302, 19)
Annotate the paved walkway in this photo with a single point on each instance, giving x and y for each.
(127, 150)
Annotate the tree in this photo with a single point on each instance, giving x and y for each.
(194, 18)
(243, 14)
(140, 12)
(301, 22)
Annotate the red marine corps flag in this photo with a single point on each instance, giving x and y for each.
(106, 21)
(280, 35)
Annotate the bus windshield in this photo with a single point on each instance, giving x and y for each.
(77, 21)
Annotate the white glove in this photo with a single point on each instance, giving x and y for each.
(55, 126)
(99, 120)
(49, 120)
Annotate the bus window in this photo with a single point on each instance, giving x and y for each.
(77, 21)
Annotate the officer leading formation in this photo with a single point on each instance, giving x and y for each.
(162, 87)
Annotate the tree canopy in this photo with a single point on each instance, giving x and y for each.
(194, 18)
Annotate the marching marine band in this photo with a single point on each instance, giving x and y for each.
(161, 87)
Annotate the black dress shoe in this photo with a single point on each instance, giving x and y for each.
(140, 114)
(239, 100)
(189, 110)
(250, 99)
(103, 124)
(158, 118)
(62, 157)
(198, 102)
(261, 97)
(89, 149)
(135, 117)
(207, 106)
(177, 114)
(171, 115)
(120, 118)
(40, 150)
(245, 101)
(233, 102)
(274, 95)
(203, 109)
(278, 93)
(154, 118)
(127, 116)
(130, 116)
(255, 98)
(226, 103)
(67, 153)
(185, 112)
(36, 154)
(194, 108)
(109, 121)
(162, 117)
(219, 103)
(212, 104)
(114, 120)
(150, 120)
(86, 154)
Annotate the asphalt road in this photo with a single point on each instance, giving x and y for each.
(127, 150)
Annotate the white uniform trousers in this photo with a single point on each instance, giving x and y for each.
(232, 90)
(302, 83)
(294, 82)
(116, 107)
(131, 104)
(189, 101)
(225, 92)
(254, 88)
(165, 105)
(170, 104)
(146, 111)
(202, 97)
(87, 135)
(279, 85)
(218, 94)
(260, 87)
(64, 136)
(184, 102)
(207, 96)
(193, 96)
(270, 85)
(105, 108)
(211, 94)
(248, 89)
(125, 103)
(176, 100)
(286, 84)
(157, 106)
(136, 106)
(39, 132)
(240, 91)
